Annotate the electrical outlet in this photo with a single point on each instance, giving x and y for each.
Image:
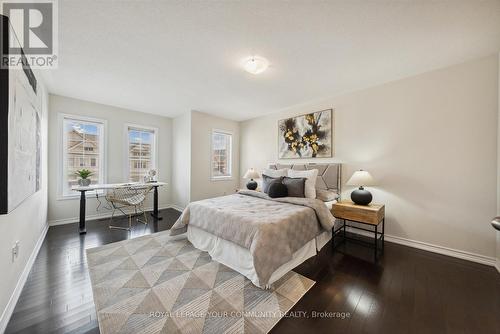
(15, 251)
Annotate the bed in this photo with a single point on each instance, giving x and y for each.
(260, 237)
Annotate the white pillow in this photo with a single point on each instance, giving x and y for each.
(326, 195)
(275, 172)
(310, 176)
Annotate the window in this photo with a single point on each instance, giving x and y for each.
(141, 148)
(82, 147)
(221, 154)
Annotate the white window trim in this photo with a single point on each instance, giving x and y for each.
(61, 162)
(231, 157)
(126, 165)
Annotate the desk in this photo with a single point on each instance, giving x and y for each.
(84, 189)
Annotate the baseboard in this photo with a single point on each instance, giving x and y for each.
(177, 207)
(478, 258)
(99, 216)
(9, 309)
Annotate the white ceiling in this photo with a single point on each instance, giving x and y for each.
(169, 57)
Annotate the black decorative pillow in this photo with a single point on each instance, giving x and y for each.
(267, 181)
(277, 190)
(296, 186)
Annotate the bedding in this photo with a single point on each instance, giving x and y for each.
(240, 259)
(271, 229)
(328, 179)
(275, 172)
(295, 186)
(329, 204)
(310, 176)
(326, 195)
(277, 190)
(267, 181)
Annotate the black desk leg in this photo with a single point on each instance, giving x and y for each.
(376, 242)
(83, 201)
(155, 205)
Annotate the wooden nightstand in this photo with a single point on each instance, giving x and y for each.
(372, 214)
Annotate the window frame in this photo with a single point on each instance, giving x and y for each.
(230, 156)
(62, 161)
(126, 145)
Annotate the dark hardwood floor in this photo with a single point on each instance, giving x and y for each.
(57, 296)
(407, 291)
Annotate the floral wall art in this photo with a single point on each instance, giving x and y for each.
(306, 136)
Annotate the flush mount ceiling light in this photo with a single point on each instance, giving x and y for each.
(255, 64)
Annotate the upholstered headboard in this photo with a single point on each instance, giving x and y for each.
(329, 175)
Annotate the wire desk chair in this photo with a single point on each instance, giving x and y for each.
(129, 197)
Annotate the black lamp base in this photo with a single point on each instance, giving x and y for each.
(251, 185)
(361, 196)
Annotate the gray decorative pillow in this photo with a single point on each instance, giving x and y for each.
(326, 195)
(267, 181)
(295, 185)
(277, 190)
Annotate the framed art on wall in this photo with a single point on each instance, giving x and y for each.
(306, 136)
(20, 128)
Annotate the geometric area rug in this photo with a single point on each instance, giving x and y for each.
(162, 284)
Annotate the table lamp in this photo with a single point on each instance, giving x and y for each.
(251, 174)
(360, 179)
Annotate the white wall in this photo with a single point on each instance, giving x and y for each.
(498, 167)
(26, 224)
(202, 186)
(67, 210)
(191, 159)
(181, 160)
(431, 143)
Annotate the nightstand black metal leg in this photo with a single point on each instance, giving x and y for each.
(383, 234)
(344, 232)
(333, 238)
(376, 242)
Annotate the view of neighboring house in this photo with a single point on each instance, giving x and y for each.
(82, 153)
(139, 160)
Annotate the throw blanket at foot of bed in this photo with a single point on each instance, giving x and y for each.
(272, 229)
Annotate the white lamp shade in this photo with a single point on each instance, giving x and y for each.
(361, 178)
(251, 174)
